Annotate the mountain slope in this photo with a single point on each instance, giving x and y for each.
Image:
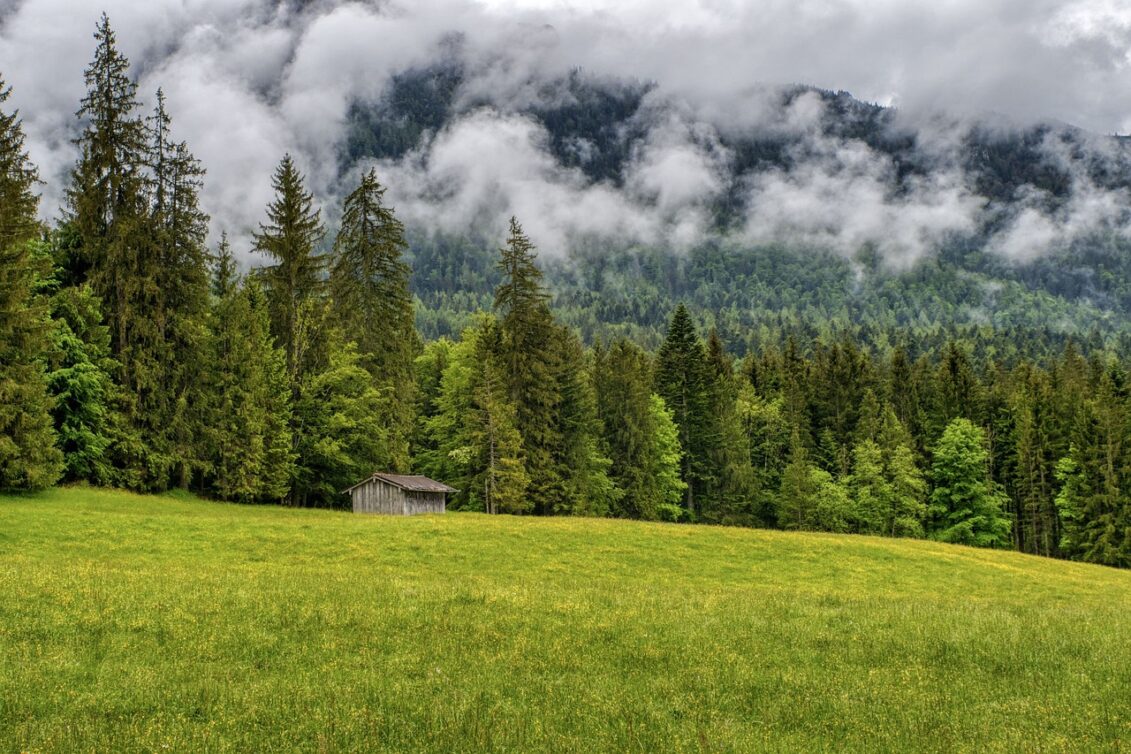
(138, 623)
(812, 205)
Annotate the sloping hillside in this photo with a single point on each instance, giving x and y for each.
(166, 623)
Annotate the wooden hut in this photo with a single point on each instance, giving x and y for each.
(399, 495)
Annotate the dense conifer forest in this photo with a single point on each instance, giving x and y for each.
(839, 397)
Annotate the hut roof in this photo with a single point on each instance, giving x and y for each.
(406, 482)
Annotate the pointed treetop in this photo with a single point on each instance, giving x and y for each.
(225, 274)
(521, 290)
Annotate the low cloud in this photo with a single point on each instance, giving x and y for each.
(248, 80)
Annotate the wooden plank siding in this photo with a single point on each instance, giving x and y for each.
(377, 496)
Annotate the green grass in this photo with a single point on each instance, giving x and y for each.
(134, 623)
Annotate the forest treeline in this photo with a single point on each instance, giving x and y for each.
(135, 356)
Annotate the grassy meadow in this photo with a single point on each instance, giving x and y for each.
(166, 623)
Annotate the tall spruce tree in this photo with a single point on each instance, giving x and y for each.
(638, 434)
(1095, 496)
(133, 210)
(584, 467)
(248, 394)
(28, 456)
(473, 433)
(294, 280)
(372, 304)
(106, 198)
(500, 480)
(731, 497)
(683, 381)
(528, 355)
(176, 238)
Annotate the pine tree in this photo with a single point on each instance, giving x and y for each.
(662, 459)
(887, 488)
(430, 367)
(1095, 496)
(527, 354)
(501, 481)
(966, 504)
(106, 199)
(763, 421)
(177, 230)
(133, 210)
(369, 285)
(473, 432)
(682, 380)
(339, 435)
(294, 281)
(28, 456)
(731, 498)
(249, 398)
(584, 468)
(796, 504)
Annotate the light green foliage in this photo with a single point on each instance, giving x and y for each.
(136, 624)
(833, 509)
(797, 494)
(967, 507)
(663, 458)
(768, 436)
(474, 433)
(887, 488)
(502, 481)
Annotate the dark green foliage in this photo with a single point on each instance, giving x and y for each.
(290, 240)
(28, 456)
(1095, 497)
(29, 459)
(372, 305)
(682, 379)
(638, 433)
(250, 456)
(731, 496)
(137, 234)
(528, 355)
(81, 382)
(106, 198)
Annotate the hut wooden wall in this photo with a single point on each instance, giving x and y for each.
(423, 502)
(376, 496)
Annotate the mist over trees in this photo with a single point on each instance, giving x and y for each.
(135, 356)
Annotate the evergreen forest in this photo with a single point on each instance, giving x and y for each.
(728, 386)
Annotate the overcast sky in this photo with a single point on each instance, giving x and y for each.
(248, 80)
